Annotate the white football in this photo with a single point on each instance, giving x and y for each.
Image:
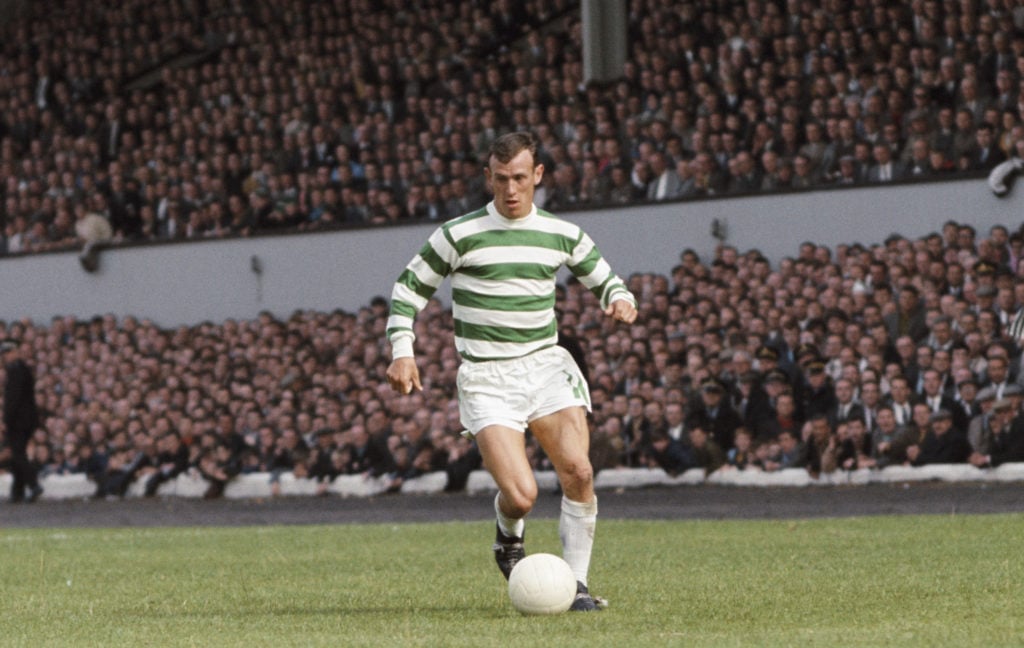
(542, 583)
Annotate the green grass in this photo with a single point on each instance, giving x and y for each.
(922, 581)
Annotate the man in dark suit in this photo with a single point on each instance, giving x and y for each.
(819, 396)
(1007, 442)
(846, 408)
(21, 418)
(753, 404)
(986, 153)
(908, 319)
(933, 396)
(721, 419)
(942, 444)
(900, 400)
(885, 169)
(666, 183)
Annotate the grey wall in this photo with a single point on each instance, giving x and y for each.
(190, 282)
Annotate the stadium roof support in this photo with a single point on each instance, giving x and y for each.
(604, 39)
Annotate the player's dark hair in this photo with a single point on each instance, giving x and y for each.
(510, 145)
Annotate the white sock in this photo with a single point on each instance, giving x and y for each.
(509, 526)
(576, 529)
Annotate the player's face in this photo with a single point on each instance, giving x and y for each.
(513, 183)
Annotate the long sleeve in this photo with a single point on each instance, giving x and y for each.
(503, 279)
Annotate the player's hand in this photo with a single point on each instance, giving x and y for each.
(404, 376)
(622, 310)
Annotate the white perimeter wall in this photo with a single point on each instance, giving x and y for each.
(185, 283)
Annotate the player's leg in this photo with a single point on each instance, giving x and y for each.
(504, 456)
(493, 406)
(565, 438)
(503, 451)
(560, 424)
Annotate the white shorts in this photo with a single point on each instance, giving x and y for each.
(514, 392)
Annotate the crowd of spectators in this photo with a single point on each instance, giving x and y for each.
(902, 352)
(212, 118)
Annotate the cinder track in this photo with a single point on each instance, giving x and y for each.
(680, 503)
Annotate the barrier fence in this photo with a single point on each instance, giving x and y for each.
(259, 485)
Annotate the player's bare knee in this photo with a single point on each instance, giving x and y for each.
(521, 505)
(518, 501)
(577, 475)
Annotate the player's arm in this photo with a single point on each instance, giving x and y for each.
(593, 271)
(414, 287)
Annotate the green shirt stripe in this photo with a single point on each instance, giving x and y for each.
(587, 265)
(432, 259)
(515, 238)
(510, 303)
(503, 333)
(409, 279)
(402, 308)
(499, 271)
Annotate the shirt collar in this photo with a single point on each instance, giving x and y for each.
(493, 211)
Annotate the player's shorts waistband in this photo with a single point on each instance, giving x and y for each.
(511, 361)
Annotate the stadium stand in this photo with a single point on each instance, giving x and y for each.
(735, 373)
(213, 119)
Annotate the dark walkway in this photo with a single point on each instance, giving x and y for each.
(682, 503)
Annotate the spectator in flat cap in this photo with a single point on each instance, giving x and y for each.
(942, 443)
(1005, 437)
(988, 291)
(986, 395)
(979, 429)
(1015, 393)
(849, 173)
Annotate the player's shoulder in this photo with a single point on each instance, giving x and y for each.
(465, 218)
(543, 213)
(467, 225)
(556, 224)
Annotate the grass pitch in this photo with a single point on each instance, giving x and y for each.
(915, 581)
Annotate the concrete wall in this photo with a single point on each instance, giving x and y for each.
(189, 282)
(257, 485)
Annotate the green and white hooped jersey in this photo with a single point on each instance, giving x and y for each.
(503, 281)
